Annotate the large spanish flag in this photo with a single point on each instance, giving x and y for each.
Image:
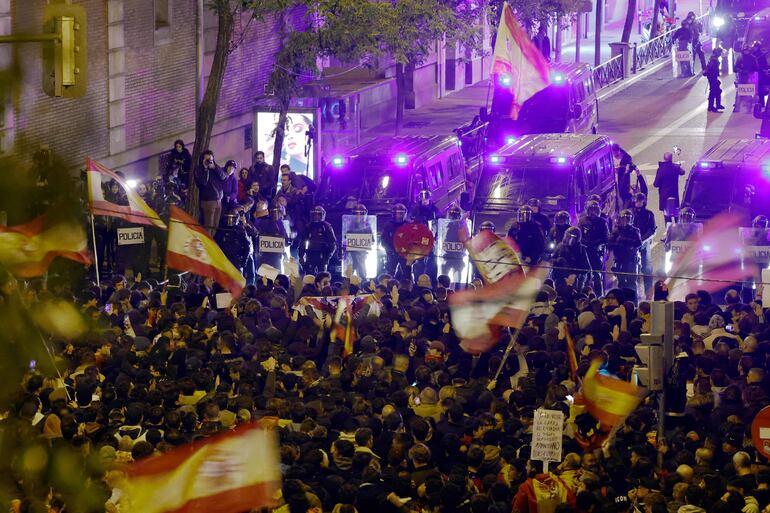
(137, 211)
(191, 248)
(609, 400)
(230, 473)
(517, 65)
(28, 249)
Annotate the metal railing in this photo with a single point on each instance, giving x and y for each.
(641, 55)
(609, 72)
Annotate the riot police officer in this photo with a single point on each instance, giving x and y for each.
(759, 232)
(570, 257)
(538, 216)
(361, 226)
(556, 233)
(232, 238)
(644, 220)
(317, 242)
(595, 235)
(685, 229)
(625, 242)
(453, 254)
(271, 228)
(425, 212)
(528, 235)
(394, 264)
(487, 226)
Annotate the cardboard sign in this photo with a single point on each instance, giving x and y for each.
(758, 254)
(413, 241)
(223, 300)
(453, 247)
(683, 56)
(271, 244)
(547, 435)
(746, 89)
(268, 271)
(129, 236)
(359, 241)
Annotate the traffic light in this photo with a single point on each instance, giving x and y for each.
(65, 58)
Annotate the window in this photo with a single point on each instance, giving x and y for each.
(438, 170)
(455, 166)
(591, 175)
(162, 21)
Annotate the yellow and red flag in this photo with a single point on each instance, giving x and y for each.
(28, 249)
(230, 473)
(137, 211)
(608, 399)
(191, 248)
(517, 64)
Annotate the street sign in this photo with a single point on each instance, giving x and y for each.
(760, 431)
(547, 435)
(130, 236)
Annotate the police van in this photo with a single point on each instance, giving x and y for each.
(734, 176)
(568, 105)
(390, 170)
(757, 29)
(561, 170)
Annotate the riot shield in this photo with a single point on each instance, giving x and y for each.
(132, 252)
(679, 240)
(755, 252)
(271, 250)
(451, 252)
(359, 244)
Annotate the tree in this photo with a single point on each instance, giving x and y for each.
(409, 31)
(342, 28)
(629, 24)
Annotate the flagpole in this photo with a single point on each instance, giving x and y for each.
(96, 253)
(507, 353)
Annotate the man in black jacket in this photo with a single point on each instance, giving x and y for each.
(210, 179)
(625, 242)
(667, 182)
(712, 74)
(265, 175)
(644, 220)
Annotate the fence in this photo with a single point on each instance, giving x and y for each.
(640, 55)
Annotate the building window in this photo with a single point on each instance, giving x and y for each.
(162, 21)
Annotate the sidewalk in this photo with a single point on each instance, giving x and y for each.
(439, 117)
(612, 32)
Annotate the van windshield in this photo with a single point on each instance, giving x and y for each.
(758, 31)
(513, 186)
(368, 182)
(707, 192)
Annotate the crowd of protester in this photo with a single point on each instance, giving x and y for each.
(408, 421)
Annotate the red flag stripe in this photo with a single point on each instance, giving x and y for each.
(239, 499)
(528, 50)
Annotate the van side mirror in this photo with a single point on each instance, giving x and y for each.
(577, 111)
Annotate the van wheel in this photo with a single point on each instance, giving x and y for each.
(593, 129)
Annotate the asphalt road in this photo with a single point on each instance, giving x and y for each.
(658, 112)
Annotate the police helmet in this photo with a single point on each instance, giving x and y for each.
(626, 217)
(593, 209)
(277, 211)
(534, 203)
(760, 222)
(561, 218)
(454, 212)
(399, 212)
(231, 163)
(572, 236)
(640, 196)
(359, 210)
(524, 214)
(424, 195)
(686, 215)
(318, 214)
(487, 225)
(596, 198)
(232, 218)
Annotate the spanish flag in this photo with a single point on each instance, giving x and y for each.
(28, 249)
(518, 67)
(230, 473)
(137, 211)
(191, 248)
(609, 400)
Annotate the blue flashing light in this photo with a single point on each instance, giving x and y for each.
(338, 161)
(706, 247)
(505, 80)
(494, 159)
(401, 160)
(559, 160)
(558, 78)
(510, 139)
